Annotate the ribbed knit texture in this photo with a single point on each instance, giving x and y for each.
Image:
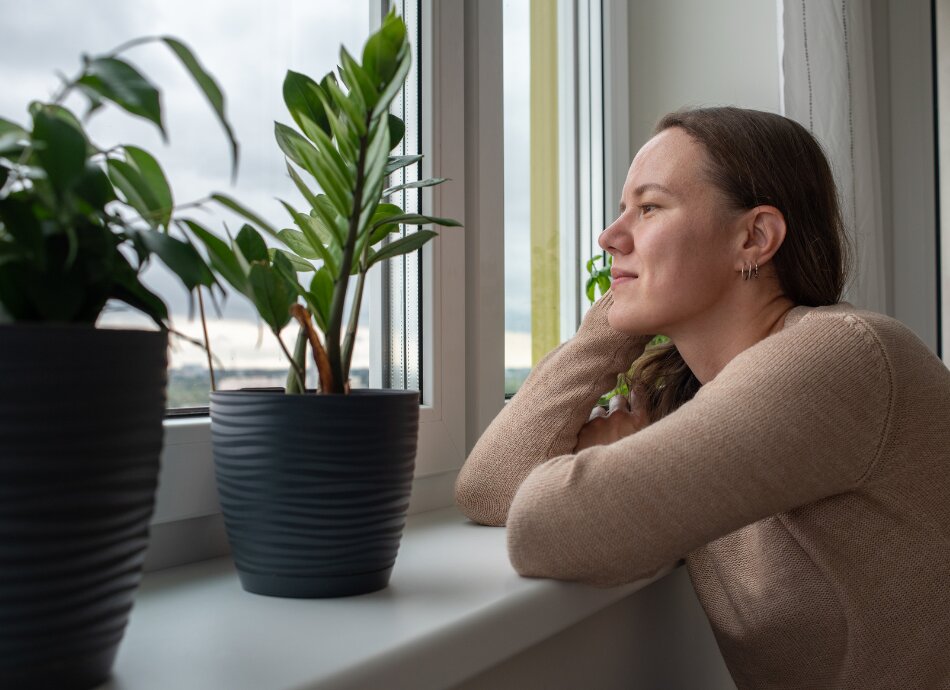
(807, 486)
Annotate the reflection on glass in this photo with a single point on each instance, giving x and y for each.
(248, 47)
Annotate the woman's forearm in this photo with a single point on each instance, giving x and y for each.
(543, 419)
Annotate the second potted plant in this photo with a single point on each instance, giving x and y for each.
(314, 486)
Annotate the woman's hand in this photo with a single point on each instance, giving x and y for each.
(620, 419)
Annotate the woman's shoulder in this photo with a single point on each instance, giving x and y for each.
(879, 330)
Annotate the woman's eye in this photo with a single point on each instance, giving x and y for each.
(646, 208)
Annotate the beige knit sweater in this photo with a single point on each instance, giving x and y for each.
(807, 486)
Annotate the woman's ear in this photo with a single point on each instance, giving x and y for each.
(764, 234)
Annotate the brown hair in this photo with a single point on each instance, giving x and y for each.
(756, 158)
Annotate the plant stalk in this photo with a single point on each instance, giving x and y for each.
(204, 329)
(335, 321)
(300, 357)
(350, 338)
(293, 364)
(320, 358)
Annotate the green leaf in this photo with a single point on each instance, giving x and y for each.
(136, 191)
(296, 147)
(345, 140)
(222, 258)
(239, 209)
(397, 130)
(209, 88)
(154, 179)
(251, 244)
(95, 189)
(182, 258)
(402, 246)
(312, 236)
(397, 162)
(381, 232)
(418, 219)
(61, 150)
(13, 139)
(321, 296)
(589, 289)
(302, 95)
(117, 81)
(297, 242)
(272, 295)
(357, 80)
(428, 182)
(308, 157)
(301, 185)
(393, 87)
(324, 210)
(382, 48)
(332, 163)
(128, 288)
(8, 127)
(347, 105)
(299, 264)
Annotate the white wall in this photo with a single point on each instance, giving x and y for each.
(697, 53)
(656, 639)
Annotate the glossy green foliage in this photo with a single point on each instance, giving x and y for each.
(78, 221)
(338, 159)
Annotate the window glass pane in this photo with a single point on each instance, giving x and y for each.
(403, 275)
(517, 92)
(248, 47)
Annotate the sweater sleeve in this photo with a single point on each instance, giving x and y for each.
(544, 418)
(798, 417)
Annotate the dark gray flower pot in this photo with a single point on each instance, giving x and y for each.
(80, 435)
(314, 488)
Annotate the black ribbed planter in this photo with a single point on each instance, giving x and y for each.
(80, 435)
(314, 488)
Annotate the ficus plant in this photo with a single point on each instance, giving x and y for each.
(344, 137)
(79, 221)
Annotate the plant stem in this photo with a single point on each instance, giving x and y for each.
(300, 357)
(204, 328)
(335, 321)
(320, 358)
(350, 338)
(293, 363)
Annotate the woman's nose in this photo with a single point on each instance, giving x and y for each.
(614, 240)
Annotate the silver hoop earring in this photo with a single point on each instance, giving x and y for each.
(756, 274)
(746, 271)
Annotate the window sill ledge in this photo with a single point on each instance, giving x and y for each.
(454, 608)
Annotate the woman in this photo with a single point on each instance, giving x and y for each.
(795, 450)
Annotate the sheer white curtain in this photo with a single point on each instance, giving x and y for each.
(827, 85)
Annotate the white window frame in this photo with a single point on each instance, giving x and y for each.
(594, 107)
(460, 86)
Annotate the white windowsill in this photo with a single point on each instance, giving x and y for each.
(454, 607)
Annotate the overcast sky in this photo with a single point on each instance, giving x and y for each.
(248, 47)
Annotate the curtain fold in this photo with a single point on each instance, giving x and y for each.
(827, 84)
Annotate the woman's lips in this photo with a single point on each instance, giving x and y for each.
(620, 277)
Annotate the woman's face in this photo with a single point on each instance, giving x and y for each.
(675, 243)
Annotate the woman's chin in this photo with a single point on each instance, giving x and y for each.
(628, 324)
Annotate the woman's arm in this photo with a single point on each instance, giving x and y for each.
(543, 419)
(797, 418)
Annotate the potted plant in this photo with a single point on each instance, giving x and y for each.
(82, 407)
(314, 485)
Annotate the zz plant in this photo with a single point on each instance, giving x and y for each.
(346, 133)
(78, 221)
